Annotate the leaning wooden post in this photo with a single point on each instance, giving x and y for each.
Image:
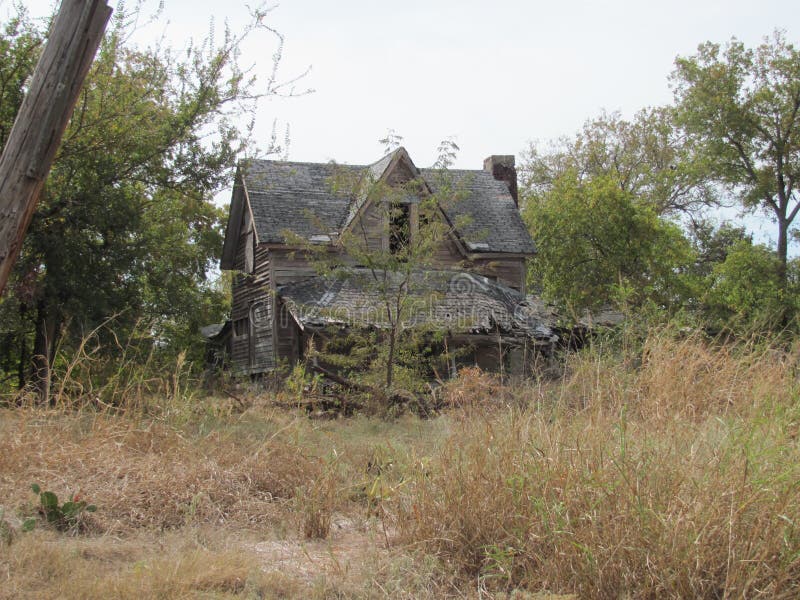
(43, 117)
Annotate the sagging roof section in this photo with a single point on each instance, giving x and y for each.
(461, 302)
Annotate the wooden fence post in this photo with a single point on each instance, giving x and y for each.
(43, 117)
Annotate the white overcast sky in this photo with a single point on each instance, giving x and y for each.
(493, 75)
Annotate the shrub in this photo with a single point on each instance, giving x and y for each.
(6, 530)
(64, 517)
(317, 501)
(474, 389)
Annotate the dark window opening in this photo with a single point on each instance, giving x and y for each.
(240, 327)
(399, 227)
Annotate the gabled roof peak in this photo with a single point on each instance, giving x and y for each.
(382, 167)
(390, 154)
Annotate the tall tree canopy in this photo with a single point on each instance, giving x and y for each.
(126, 226)
(645, 156)
(20, 43)
(740, 109)
(597, 206)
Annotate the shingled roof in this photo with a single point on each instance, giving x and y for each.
(462, 302)
(301, 197)
(492, 222)
(295, 196)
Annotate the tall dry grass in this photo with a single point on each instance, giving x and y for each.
(115, 373)
(686, 377)
(183, 507)
(670, 472)
(44, 565)
(148, 473)
(679, 479)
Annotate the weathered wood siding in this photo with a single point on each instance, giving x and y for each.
(370, 228)
(399, 175)
(508, 271)
(287, 335)
(252, 343)
(262, 348)
(448, 256)
(373, 229)
(288, 267)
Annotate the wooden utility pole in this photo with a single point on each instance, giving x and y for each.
(43, 117)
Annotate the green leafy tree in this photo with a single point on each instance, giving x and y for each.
(644, 156)
(745, 291)
(740, 110)
(20, 42)
(598, 245)
(713, 242)
(126, 227)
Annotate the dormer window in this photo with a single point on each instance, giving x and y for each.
(399, 227)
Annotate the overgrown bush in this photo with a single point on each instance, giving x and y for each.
(474, 390)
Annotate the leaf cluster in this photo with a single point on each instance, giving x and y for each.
(598, 245)
(64, 516)
(739, 107)
(646, 157)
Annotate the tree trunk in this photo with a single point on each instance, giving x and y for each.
(783, 248)
(390, 357)
(44, 347)
(32, 143)
(8, 344)
(22, 366)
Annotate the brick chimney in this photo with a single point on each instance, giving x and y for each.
(502, 168)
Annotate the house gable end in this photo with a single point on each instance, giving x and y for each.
(233, 227)
(240, 221)
(401, 170)
(394, 169)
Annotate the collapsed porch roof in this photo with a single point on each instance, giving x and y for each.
(456, 301)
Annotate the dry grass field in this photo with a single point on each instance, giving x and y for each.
(671, 472)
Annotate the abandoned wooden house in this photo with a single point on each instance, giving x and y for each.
(474, 287)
